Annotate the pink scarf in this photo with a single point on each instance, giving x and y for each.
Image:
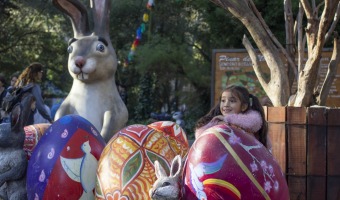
(250, 121)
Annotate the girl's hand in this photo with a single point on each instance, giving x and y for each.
(219, 118)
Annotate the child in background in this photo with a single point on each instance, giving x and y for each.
(3, 91)
(238, 108)
(14, 77)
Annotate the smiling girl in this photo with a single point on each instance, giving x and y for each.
(237, 108)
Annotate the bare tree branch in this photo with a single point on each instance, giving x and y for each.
(323, 26)
(316, 9)
(334, 23)
(307, 8)
(255, 62)
(301, 44)
(289, 25)
(233, 6)
(290, 42)
(331, 72)
(315, 32)
(289, 58)
(203, 53)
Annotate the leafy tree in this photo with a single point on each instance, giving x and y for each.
(145, 98)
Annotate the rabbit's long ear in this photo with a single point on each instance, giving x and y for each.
(176, 166)
(77, 13)
(160, 172)
(102, 17)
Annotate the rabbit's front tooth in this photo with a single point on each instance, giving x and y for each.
(82, 76)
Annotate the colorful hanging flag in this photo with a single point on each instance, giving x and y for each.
(139, 33)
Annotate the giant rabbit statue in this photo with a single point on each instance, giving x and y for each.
(92, 63)
(13, 161)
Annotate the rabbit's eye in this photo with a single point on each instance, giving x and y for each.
(165, 184)
(100, 47)
(69, 49)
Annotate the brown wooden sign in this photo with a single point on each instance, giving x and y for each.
(233, 66)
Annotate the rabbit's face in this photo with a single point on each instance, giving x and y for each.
(177, 115)
(91, 58)
(165, 188)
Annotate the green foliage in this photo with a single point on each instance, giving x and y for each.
(173, 60)
(144, 104)
(33, 34)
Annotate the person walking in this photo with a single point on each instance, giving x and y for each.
(31, 76)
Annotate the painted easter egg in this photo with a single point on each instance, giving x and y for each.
(33, 134)
(228, 163)
(64, 162)
(126, 166)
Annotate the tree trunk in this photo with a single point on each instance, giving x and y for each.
(277, 88)
(290, 42)
(315, 32)
(331, 72)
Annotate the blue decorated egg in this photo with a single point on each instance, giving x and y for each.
(64, 162)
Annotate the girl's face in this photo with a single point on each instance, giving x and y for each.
(40, 74)
(13, 80)
(231, 104)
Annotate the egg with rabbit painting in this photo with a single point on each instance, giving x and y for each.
(64, 162)
(228, 163)
(126, 166)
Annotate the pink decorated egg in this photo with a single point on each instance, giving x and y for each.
(64, 162)
(228, 163)
(33, 134)
(126, 170)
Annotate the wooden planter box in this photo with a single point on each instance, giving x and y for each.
(306, 143)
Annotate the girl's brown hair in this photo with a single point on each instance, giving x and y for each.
(246, 98)
(29, 75)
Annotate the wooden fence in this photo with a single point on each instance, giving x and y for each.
(306, 143)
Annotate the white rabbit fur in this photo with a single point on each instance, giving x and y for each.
(92, 63)
(167, 187)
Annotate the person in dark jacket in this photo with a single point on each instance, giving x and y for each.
(33, 75)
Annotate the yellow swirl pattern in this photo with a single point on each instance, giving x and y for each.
(224, 184)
